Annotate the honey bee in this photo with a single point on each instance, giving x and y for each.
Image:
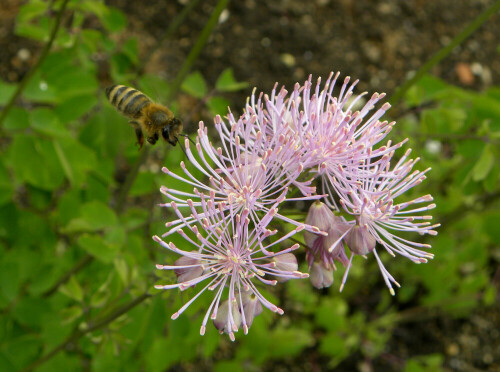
(148, 118)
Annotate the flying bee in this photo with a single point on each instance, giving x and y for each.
(148, 118)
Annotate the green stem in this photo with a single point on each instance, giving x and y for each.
(177, 21)
(197, 47)
(442, 53)
(38, 63)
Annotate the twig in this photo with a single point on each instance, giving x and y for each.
(77, 334)
(198, 46)
(443, 53)
(84, 261)
(177, 21)
(38, 63)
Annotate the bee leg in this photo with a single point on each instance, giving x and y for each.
(151, 140)
(138, 133)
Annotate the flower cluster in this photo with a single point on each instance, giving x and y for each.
(230, 210)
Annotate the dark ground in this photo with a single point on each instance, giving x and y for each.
(378, 42)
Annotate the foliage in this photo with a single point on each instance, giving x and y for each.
(72, 258)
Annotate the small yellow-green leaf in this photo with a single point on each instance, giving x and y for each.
(72, 289)
(227, 83)
(484, 164)
(195, 85)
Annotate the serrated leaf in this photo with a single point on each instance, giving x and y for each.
(194, 84)
(226, 82)
(97, 247)
(484, 165)
(72, 289)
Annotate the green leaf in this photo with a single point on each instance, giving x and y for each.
(35, 161)
(31, 10)
(45, 121)
(70, 314)
(484, 165)
(97, 247)
(6, 92)
(72, 289)
(38, 89)
(122, 270)
(9, 280)
(75, 159)
(6, 187)
(75, 107)
(218, 106)
(194, 84)
(144, 184)
(131, 50)
(16, 119)
(93, 216)
(39, 31)
(227, 83)
(114, 20)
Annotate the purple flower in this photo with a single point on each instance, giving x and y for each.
(329, 135)
(250, 170)
(371, 201)
(234, 256)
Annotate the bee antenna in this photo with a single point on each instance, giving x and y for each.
(182, 147)
(189, 138)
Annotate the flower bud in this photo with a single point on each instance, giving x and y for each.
(320, 276)
(251, 307)
(285, 262)
(326, 249)
(225, 322)
(189, 269)
(360, 241)
(322, 217)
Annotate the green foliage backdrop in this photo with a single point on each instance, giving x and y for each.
(78, 207)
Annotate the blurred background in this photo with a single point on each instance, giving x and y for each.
(78, 201)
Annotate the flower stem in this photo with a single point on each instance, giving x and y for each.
(443, 53)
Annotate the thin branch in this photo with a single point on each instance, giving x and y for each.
(444, 52)
(198, 46)
(177, 21)
(84, 261)
(38, 63)
(77, 334)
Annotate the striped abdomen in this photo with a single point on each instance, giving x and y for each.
(127, 100)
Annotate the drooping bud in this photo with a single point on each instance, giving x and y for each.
(251, 307)
(360, 241)
(330, 248)
(285, 262)
(189, 269)
(321, 216)
(320, 276)
(225, 322)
